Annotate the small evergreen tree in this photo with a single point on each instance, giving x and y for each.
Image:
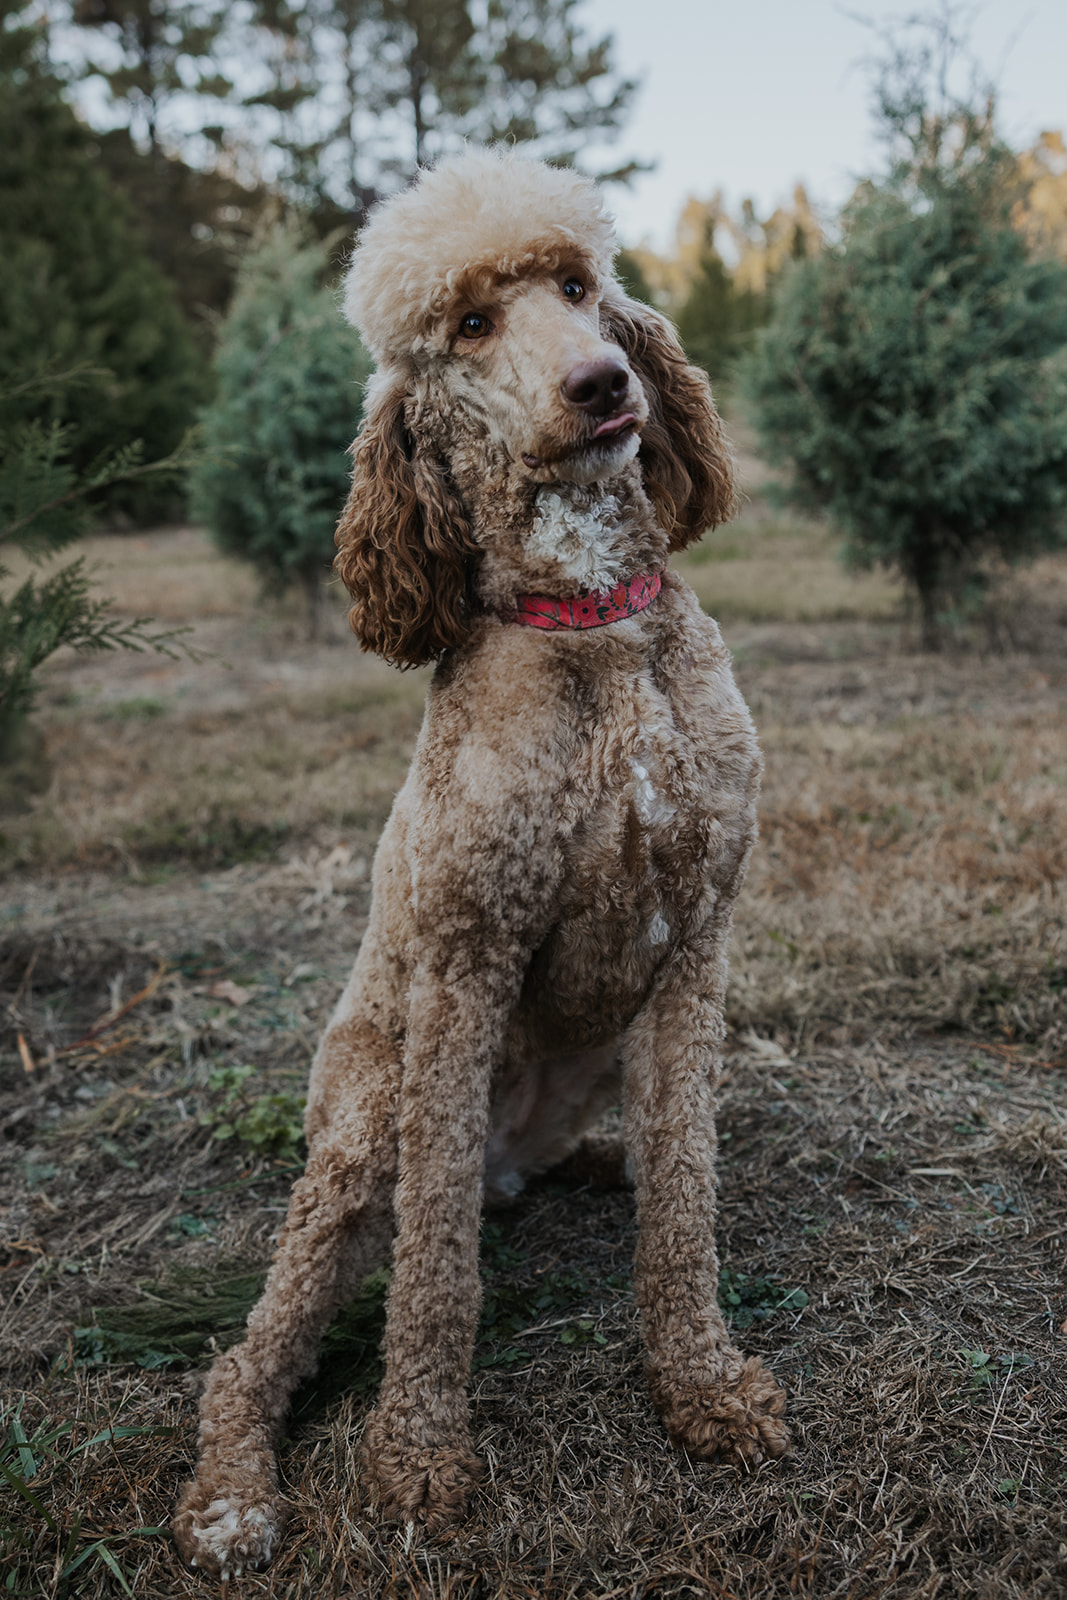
(273, 475)
(915, 375)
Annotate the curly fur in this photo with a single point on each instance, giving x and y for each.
(478, 219)
(403, 540)
(553, 892)
(685, 460)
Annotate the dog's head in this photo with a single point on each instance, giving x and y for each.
(486, 294)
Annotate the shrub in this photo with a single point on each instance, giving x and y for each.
(45, 503)
(914, 376)
(274, 474)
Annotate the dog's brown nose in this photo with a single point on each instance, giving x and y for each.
(597, 386)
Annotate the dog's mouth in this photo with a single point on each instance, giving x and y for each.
(625, 423)
(607, 433)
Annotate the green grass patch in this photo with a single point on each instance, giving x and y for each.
(745, 1300)
(173, 1322)
(141, 708)
(186, 1316)
(220, 839)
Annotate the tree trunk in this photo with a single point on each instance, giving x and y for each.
(930, 637)
(315, 590)
(924, 571)
(417, 83)
(351, 100)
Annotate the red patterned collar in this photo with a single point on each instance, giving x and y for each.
(592, 610)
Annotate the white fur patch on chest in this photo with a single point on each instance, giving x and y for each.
(583, 541)
(651, 806)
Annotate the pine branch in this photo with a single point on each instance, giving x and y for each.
(124, 467)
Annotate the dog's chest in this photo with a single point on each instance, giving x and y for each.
(640, 810)
(652, 831)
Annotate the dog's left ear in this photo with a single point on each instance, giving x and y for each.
(685, 458)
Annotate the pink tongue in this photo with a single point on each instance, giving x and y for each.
(614, 424)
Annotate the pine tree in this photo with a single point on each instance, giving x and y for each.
(717, 318)
(281, 44)
(342, 41)
(524, 74)
(77, 292)
(915, 375)
(361, 92)
(167, 54)
(274, 472)
(436, 76)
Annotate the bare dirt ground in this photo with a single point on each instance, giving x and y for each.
(178, 912)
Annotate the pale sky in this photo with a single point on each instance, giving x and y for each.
(752, 96)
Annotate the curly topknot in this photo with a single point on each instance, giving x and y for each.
(477, 219)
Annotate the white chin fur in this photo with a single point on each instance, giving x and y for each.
(594, 464)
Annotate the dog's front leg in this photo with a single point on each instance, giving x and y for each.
(714, 1402)
(231, 1515)
(417, 1451)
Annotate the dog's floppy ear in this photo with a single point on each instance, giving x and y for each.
(684, 455)
(403, 541)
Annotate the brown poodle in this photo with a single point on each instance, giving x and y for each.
(554, 889)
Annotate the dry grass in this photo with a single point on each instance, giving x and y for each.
(184, 903)
(221, 756)
(918, 1197)
(147, 782)
(173, 573)
(913, 867)
(762, 569)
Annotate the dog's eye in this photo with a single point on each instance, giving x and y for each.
(574, 289)
(474, 325)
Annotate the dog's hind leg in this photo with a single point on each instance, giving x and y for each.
(543, 1118)
(599, 1160)
(338, 1229)
(714, 1402)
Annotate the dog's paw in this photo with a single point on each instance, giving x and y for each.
(736, 1418)
(416, 1481)
(426, 1487)
(225, 1532)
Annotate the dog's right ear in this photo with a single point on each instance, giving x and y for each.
(403, 542)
